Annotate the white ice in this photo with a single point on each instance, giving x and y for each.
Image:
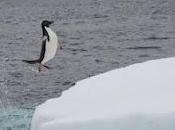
(137, 97)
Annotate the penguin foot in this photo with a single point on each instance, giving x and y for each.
(42, 66)
(46, 66)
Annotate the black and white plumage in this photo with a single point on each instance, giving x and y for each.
(49, 45)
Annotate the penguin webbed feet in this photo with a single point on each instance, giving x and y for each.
(40, 66)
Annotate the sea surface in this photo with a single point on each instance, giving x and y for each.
(96, 36)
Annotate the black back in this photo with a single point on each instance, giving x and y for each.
(44, 24)
(43, 50)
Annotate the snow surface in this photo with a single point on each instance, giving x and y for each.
(137, 97)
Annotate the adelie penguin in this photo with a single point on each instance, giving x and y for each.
(49, 46)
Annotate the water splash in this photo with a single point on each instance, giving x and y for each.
(12, 118)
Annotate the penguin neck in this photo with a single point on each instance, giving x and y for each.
(45, 33)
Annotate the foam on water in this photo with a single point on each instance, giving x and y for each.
(15, 118)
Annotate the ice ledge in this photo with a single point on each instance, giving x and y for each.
(140, 96)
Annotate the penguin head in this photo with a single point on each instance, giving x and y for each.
(46, 23)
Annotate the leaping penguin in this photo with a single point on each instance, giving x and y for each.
(49, 46)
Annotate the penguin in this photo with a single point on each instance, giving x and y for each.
(49, 46)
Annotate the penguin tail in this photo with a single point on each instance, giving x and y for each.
(30, 61)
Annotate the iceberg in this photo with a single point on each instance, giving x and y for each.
(137, 97)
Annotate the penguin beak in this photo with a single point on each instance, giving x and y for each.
(51, 22)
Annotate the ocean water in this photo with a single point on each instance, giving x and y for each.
(15, 118)
(96, 36)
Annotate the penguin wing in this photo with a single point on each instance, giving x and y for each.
(43, 50)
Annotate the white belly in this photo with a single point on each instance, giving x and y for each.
(51, 46)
